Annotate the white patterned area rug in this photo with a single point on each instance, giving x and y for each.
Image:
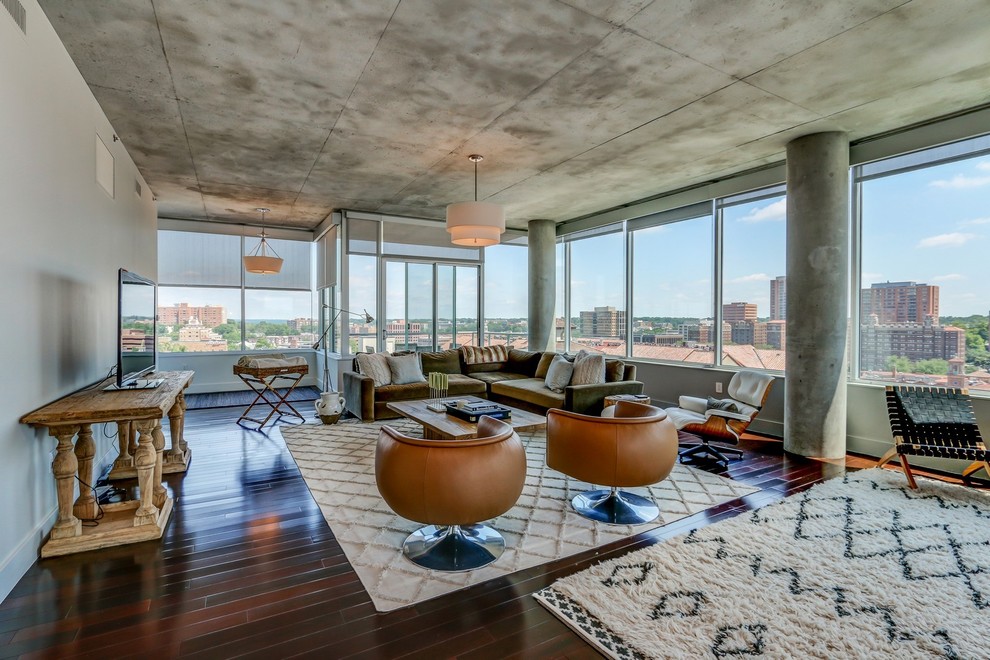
(338, 464)
(856, 567)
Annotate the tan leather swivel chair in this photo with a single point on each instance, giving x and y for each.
(631, 444)
(452, 485)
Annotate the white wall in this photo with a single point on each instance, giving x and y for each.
(63, 240)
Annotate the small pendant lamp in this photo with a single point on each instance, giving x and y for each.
(259, 261)
(476, 224)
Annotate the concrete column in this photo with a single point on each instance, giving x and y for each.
(817, 295)
(542, 283)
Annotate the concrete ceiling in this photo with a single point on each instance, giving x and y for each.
(577, 105)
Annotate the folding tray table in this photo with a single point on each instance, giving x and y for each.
(262, 380)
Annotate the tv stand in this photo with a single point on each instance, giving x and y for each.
(138, 414)
(136, 384)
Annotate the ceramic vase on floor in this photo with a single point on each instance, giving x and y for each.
(329, 407)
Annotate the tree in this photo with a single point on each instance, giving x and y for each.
(898, 363)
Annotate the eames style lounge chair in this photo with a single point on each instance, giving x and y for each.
(937, 422)
(631, 444)
(723, 420)
(451, 485)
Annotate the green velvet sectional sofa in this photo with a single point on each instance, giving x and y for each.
(518, 381)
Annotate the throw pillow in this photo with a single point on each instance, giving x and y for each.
(544, 365)
(484, 354)
(722, 404)
(559, 374)
(615, 370)
(405, 369)
(375, 366)
(589, 369)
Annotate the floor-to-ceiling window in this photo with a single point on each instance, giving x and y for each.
(923, 302)
(507, 295)
(597, 291)
(424, 292)
(672, 257)
(208, 303)
(754, 293)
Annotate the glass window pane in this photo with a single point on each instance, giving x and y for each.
(924, 299)
(507, 295)
(419, 307)
(362, 294)
(277, 320)
(198, 320)
(445, 307)
(598, 313)
(754, 294)
(560, 325)
(297, 267)
(198, 259)
(467, 306)
(672, 293)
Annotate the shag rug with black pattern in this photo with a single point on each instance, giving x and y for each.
(857, 567)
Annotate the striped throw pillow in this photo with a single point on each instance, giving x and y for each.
(485, 354)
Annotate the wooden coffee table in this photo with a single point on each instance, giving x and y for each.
(441, 426)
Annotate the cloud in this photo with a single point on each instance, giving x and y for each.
(975, 221)
(770, 213)
(983, 165)
(961, 181)
(755, 277)
(951, 277)
(954, 239)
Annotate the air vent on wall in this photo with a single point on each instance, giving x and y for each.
(138, 190)
(16, 10)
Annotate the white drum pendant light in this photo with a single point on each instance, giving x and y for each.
(259, 261)
(477, 224)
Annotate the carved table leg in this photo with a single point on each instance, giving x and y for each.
(177, 457)
(125, 439)
(86, 506)
(64, 467)
(159, 443)
(144, 460)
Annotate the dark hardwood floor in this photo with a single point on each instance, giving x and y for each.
(249, 567)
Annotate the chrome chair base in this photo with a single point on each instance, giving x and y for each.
(454, 548)
(615, 507)
(705, 450)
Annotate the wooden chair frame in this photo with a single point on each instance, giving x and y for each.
(959, 438)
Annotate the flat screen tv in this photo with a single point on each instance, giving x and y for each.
(137, 309)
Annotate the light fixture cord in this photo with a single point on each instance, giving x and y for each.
(476, 181)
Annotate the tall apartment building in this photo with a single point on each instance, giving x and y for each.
(899, 302)
(778, 298)
(603, 322)
(181, 313)
(738, 311)
(777, 334)
(914, 341)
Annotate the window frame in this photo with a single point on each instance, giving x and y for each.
(243, 287)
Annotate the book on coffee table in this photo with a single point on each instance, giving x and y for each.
(471, 412)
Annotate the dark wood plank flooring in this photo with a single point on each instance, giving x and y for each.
(248, 567)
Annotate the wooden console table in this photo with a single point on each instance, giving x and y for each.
(69, 421)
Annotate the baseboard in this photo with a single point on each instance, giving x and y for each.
(20, 559)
